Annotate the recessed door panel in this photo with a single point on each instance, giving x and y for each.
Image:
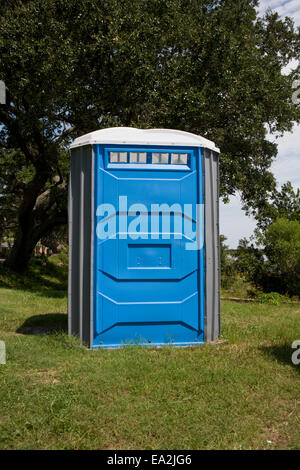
(147, 284)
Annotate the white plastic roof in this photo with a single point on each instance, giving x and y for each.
(133, 136)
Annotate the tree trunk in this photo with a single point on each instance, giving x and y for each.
(38, 215)
(22, 250)
(27, 239)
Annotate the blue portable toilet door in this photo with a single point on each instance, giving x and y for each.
(148, 279)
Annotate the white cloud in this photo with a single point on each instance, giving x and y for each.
(282, 7)
(287, 165)
(234, 224)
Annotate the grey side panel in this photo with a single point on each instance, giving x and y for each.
(212, 245)
(81, 243)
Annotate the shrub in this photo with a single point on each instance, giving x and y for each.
(273, 298)
(282, 250)
(227, 265)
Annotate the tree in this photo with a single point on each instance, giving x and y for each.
(281, 271)
(72, 66)
(69, 67)
(274, 263)
(283, 203)
(249, 260)
(227, 264)
(232, 89)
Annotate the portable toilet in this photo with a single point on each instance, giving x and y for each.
(144, 265)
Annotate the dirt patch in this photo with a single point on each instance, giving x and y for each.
(281, 434)
(43, 376)
(240, 346)
(47, 376)
(10, 333)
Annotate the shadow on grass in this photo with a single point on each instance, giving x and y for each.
(282, 353)
(55, 294)
(44, 324)
(42, 277)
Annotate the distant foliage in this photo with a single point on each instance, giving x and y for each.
(273, 298)
(271, 260)
(276, 266)
(248, 259)
(227, 265)
(282, 249)
(283, 203)
(56, 240)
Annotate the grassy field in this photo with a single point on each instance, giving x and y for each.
(55, 394)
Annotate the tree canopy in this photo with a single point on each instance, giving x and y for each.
(72, 66)
(282, 203)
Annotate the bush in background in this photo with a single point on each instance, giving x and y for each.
(275, 267)
(228, 272)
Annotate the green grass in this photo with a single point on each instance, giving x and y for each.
(55, 394)
(42, 274)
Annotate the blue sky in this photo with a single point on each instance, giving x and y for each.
(234, 224)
